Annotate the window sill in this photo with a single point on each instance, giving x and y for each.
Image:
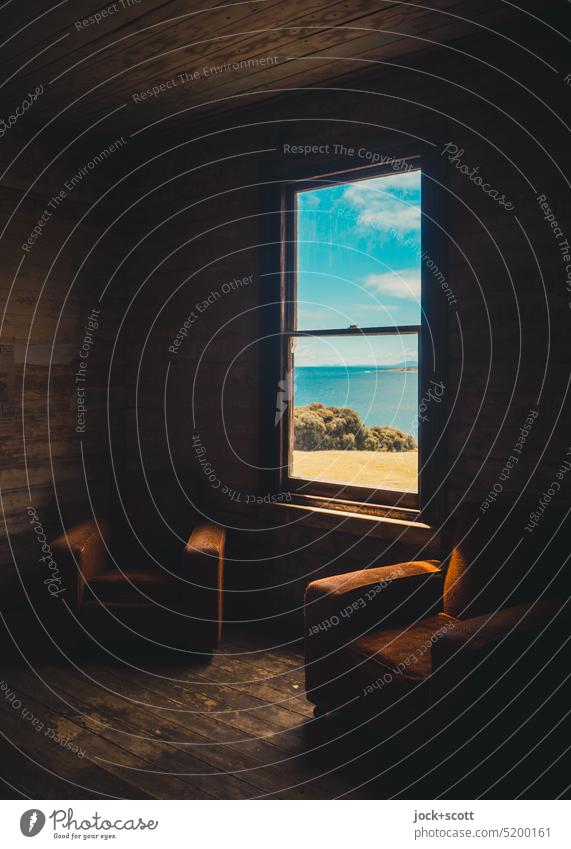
(359, 520)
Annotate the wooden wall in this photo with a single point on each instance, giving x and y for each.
(54, 329)
(194, 224)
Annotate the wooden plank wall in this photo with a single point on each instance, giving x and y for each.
(48, 295)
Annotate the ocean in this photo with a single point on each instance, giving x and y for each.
(380, 397)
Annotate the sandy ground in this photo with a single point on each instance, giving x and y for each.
(361, 468)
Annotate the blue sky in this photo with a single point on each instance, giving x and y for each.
(358, 262)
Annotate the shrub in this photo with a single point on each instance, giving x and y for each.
(320, 428)
(392, 439)
(348, 442)
(310, 429)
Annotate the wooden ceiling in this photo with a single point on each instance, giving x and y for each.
(207, 55)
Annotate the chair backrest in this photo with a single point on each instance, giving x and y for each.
(496, 563)
(151, 514)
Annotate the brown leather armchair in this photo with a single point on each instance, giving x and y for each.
(396, 640)
(136, 576)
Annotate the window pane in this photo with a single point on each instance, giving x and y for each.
(358, 254)
(355, 418)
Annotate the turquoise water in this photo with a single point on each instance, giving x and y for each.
(380, 397)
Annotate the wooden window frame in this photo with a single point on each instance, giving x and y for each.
(277, 327)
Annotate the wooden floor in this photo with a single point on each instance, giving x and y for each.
(232, 726)
(235, 725)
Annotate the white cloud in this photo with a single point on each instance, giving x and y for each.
(397, 284)
(388, 203)
(408, 181)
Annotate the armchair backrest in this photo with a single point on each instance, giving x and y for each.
(152, 515)
(496, 563)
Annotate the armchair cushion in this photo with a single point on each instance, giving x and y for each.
(519, 652)
(130, 585)
(504, 633)
(403, 652)
(387, 664)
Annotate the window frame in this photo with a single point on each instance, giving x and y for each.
(429, 504)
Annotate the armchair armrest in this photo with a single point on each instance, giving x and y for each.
(385, 597)
(82, 553)
(203, 575)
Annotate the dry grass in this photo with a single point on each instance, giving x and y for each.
(381, 469)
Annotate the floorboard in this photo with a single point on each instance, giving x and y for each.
(235, 725)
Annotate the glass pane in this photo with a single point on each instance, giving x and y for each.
(358, 254)
(355, 418)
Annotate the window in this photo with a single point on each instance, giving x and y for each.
(352, 336)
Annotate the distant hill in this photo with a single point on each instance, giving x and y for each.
(395, 369)
(407, 365)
